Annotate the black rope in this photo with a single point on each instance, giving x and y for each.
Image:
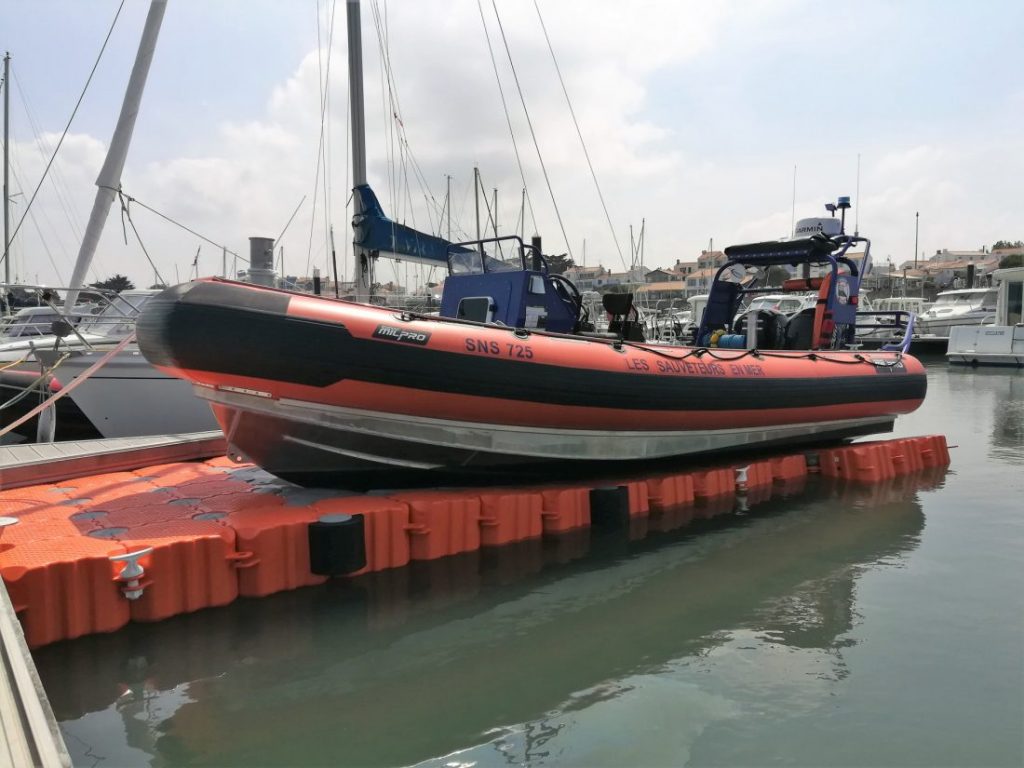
(854, 359)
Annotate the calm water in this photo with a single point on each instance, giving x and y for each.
(840, 626)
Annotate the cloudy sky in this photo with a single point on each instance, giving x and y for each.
(694, 115)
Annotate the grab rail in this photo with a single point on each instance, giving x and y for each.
(901, 320)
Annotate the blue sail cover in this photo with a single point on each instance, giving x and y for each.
(376, 232)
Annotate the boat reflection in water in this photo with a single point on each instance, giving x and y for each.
(421, 662)
(976, 391)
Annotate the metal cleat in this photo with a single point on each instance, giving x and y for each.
(132, 572)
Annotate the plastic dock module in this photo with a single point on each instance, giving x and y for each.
(89, 554)
(64, 587)
(788, 468)
(565, 509)
(510, 516)
(714, 482)
(277, 537)
(874, 461)
(670, 491)
(757, 474)
(440, 523)
(190, 567)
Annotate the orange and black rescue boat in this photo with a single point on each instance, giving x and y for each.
(512, 376)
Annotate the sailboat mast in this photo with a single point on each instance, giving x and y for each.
(363, 276)
(109, 180)
(7, 171)
(476, 201)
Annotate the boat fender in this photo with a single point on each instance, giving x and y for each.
(732, 341)
(337, 545)
(609, 507)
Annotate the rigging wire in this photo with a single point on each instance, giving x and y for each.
(533, 134)
(328, 153)
(320, 146)
(508, 117)
(60, 185)
(127, 214)
(168, 219)
(579, 133)
(70, 119)
(290, 218)
(39, 231)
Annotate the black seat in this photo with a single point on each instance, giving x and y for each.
(799, 330)
(770, 326)
(625, 319)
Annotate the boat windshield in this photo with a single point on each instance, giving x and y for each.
(471, 263)
(966, 299)
(24, 326)
(784, 304)
(117, 318)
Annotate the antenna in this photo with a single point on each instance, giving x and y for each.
(792, 217)
(856, 213)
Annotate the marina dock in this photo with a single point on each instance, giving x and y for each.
(86, 554)
(35, 463)
(29, 735)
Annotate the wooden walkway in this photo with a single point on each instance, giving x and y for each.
(29, 735)
(34, 464)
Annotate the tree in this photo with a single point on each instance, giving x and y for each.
(1007, 244)
(117, 283)
(1013, 260)
(558, 263)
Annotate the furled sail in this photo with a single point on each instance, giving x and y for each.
(376, 232)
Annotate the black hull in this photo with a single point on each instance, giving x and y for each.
(72, 424)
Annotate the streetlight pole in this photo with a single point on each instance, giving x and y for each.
(917, 214)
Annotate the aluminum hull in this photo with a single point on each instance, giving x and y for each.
(316, 444)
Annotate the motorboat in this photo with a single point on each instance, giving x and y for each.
(125, 397)
(966, 306)
(81, 328)
(1001, 343)
(508, 379)
(33, 322)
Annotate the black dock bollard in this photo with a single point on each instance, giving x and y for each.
(609, 507)
(337, 545)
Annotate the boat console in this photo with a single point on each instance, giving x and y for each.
(829, 325)
(518, 291)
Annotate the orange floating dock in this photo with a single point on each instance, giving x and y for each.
(90, 554)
